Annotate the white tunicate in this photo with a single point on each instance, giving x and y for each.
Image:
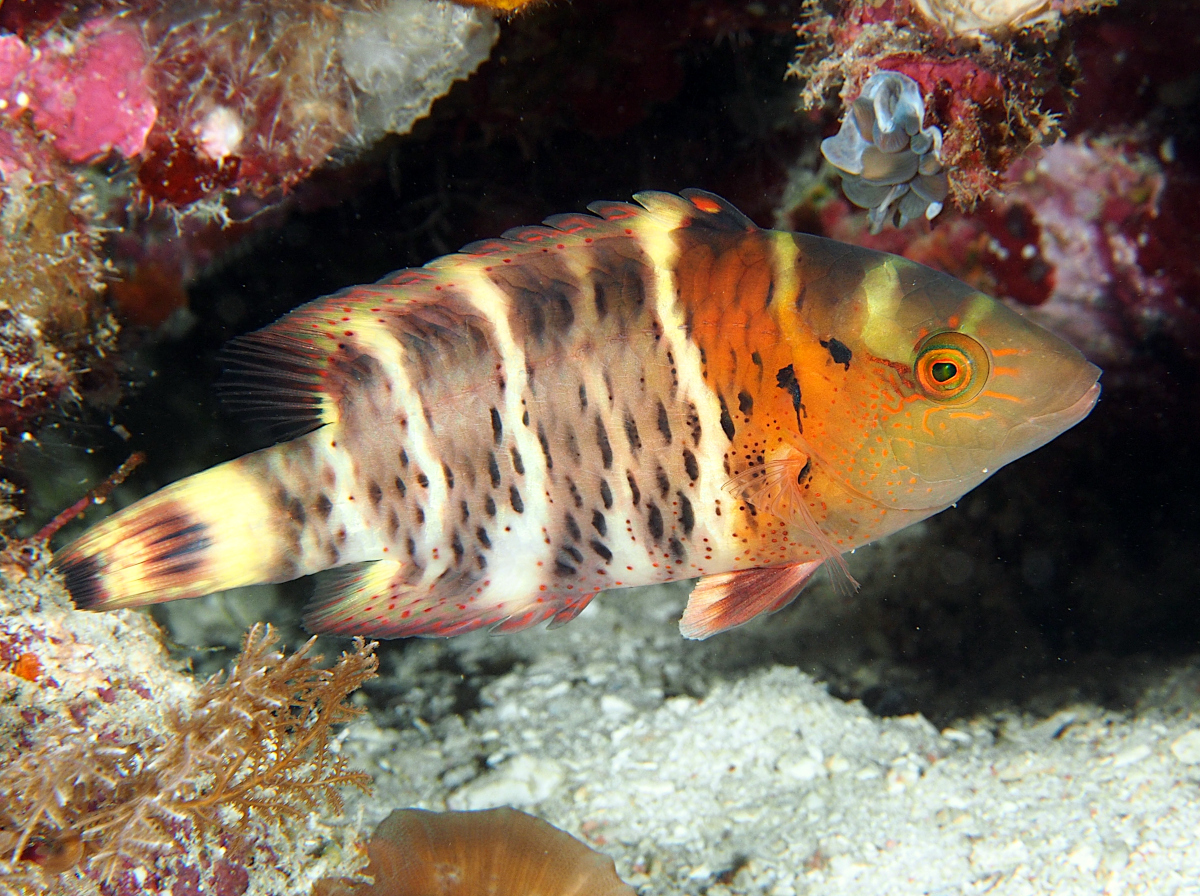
(405, 55)
(890, 165)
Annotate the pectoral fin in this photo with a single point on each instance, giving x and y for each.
(722, 601)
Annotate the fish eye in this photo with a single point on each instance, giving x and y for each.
(951, 367)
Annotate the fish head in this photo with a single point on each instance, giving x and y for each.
(942, 385)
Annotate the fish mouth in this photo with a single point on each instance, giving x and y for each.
(1064, 418)
(1041, 429)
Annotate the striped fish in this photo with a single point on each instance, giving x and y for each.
(645, 394)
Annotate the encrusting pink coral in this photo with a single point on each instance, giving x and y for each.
(494, 852)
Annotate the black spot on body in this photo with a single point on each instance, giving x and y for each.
(573, 528)
(296, 511)
(422, 480)
(456, 545)
(497, 427)
(602, 549)
(489, 506)
(631, 433)
(518, 463)
(514, 499)
(687, 517)
(676, 547)
(839, 351)
(420, 516)
(690, 465)
(393, 523)
(410, 546)
(564, 569)
(693, 422)
(726, 420)
(786, 380)
(745, 403)
(634, 491)
(545, 443)
(606, 494)
(598, 522)
(601, 300)
(662, 481)
(606, 455)
(401, 488)
(403, 458)
(493, 469)
(664, 423)
(574, 553)
(323, 506)
(804, 473)
(375, 493)
(481, 534)
(535, 318)
(655, 521)
(582, 397)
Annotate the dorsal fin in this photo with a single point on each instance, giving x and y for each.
(279, 376)
(718, 213)
(697, 208)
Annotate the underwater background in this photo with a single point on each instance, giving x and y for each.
(1011, 701)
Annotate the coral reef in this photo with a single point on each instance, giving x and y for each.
(991, 100)
(133, 133)
(1094, 235)
(890, 164)
(254, 99)
(120, 775)
(501, 852)
(56, 337)
(401, 57)
(984, 17)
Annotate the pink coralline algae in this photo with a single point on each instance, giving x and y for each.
(87, 92)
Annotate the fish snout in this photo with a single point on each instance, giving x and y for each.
(1078, 400)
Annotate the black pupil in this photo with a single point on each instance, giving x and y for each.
(942, 371)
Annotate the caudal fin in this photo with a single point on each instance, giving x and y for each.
(206, 533)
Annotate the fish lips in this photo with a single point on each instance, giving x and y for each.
(1039, 430)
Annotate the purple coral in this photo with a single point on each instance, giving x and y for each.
(889, 163)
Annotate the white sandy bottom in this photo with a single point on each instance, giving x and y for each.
(767, 785)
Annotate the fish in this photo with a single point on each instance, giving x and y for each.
(644, 394)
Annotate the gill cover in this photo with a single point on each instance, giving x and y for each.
(947, 385)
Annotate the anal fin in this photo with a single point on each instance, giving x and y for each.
(725, 600)
(379, 599)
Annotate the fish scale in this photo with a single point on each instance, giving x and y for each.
(645, 394)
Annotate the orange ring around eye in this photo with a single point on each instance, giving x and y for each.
(951, 367)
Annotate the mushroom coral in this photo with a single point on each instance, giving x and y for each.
(494, 852)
